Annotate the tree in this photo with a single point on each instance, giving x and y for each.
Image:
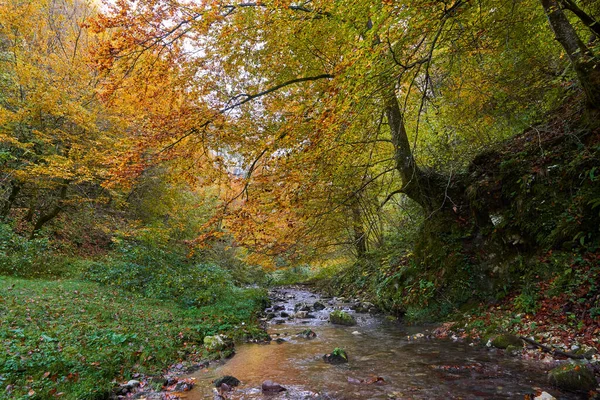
(55, 135)
(584, 61)
(307, 92)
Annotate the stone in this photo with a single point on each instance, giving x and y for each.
(513, 350)
(229, 380)
(337, 356)
(307, 334)
(301, 314)
(341, 318)
(318, 306)
(280, 340)
(183, 387)
(544, 396)
(270, 387)
(214, 343)
(505, 340)
(132, 384)
(302, 307)
(284, 314)
(574, 377)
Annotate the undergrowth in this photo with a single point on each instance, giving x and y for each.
(76, 338)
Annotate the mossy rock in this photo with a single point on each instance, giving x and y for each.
(513, 350)
(337, 356)
(506, 340)
(228, 380)
(214, 343)
(574, 377)
(341, 318)
(307, 334)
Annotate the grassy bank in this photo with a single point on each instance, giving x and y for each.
(77, 338)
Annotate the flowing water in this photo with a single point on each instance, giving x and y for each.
(411, 368)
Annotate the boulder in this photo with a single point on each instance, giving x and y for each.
(270, 387)
(214, 343)
(544, 396)
(307, 334)
(341, 318)
(505, 340)
(318, 306)
(132, 384)
(183, 387)
(301, 314)
(574, 377)
(284, 314)
(229, 380)
(302, 307)
(337, 356)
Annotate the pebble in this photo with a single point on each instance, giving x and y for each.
(544, 396)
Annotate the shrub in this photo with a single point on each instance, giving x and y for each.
(19, 256)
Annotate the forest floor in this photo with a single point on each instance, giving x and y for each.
(79, 340)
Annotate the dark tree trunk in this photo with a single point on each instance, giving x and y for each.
(52, 213)
(14, 192)
(434, 192)
(587, 19)
(586, 67)
(360, 237)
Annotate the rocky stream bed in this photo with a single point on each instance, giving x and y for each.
(386, 360)
(363, 355)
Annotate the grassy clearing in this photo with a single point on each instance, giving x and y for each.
(77, 338)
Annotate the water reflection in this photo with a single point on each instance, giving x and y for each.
(424, 369)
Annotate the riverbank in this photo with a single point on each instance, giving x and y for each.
(550, 335)
(81, 340)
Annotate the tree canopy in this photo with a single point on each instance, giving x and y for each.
(311, 116)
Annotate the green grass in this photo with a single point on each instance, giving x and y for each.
(77, 338)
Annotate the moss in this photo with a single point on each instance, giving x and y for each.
(337, 356)
(341, 318)
(575, 377)
(504, 341)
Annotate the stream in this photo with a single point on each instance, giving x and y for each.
(411, 367)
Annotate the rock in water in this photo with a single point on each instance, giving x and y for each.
(228, 380)
(503, 341)
(544, 396)
(307, 334)
(575, 377)
(270, 387)
(318, 306)
(341, 318)
(337, 356)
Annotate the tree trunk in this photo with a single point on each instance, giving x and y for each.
(587, 69)
(429, 189)
(50, 215)
(360, 237)
(14, 192)
(587, 19)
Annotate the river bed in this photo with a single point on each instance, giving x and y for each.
(411, 366)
